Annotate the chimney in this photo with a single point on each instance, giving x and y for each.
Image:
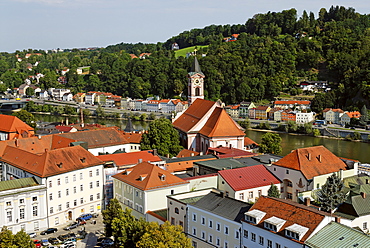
(223, 194)
(337, 219)
(192, 154)
(155, 152)
(201, 154)
(363, 194)
(16, 143)
(309, 156)
(307, 201)
(140, 160)
(230, 146)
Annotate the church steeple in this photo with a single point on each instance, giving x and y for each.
(195, 82)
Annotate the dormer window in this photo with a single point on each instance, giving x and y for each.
(296, 231)
(274, 223)
(292, 235)
(254, 216)
(162, 176)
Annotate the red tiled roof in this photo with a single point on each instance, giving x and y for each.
(354, 114)
(312, 161)
(227, 152)
(51, 162)
(334, 110)
(292, 102)
(131, 158)
(184, 165)
(98, 138)
(193, 114)
(187, 153)
(291, 212)
(248, 141)
(64, 128)
(262, 108)
(37, 145)
(248, 177)
(11, 124)
(153, 177)
(220, 124)
(132, 138)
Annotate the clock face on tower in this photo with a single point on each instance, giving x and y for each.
(196, 82)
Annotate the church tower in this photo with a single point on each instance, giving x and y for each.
(195, 82)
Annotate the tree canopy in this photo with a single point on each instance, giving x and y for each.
(161, 135)
(20, 239)
(274, 51)
(270, 143)
(273, 191)
(331, 193)
(131, 232)
(26, 117)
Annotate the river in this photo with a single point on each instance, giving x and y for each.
(341, 148)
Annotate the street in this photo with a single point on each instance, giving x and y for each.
(94, 231)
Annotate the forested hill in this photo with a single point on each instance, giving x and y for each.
(273, 52)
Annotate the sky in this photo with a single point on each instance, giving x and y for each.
(49, 24)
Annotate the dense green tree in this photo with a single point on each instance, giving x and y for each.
(162, 136)
(22, 239)
(270, 143)
(364, 116)
(113, 210)
(26, 117)
(6, 238)
(30, 91)
(164, 236)
(331, 193)
(273, 191)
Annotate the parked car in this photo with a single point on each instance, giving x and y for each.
(49, 230)
(84, 217)
(72, 226)
(37, 243)
(95, 215)
(104, 242)
(32, 235)
(54, 241)
(70, 242)
(63, 237)
(45, 242)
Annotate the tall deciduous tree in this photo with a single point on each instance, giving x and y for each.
(273, 191)
(27, 117)
(162, 136)
(113, 210)
(20, 239)
(331, 193)
(270, 143)
(164, 236)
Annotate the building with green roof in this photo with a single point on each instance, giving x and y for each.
(23, 205)
(338, 235)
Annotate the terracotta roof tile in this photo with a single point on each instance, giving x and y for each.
(132, 138)
(227, 152)
(248, 177)
(193, 114)
(37, 145)
(291, 212)
(156, 177)
(52, 162)
(249, 141)
(11, 124)
(220, 124)
(312, 161)
(98, 138)
(187, 153)
(131, 158)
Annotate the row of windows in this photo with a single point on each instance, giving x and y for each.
(216, 225)
(21, 201)
(9, 213)
(209, 238)
(74, 190)
(75, 202)
(261, 240)
(74, 178)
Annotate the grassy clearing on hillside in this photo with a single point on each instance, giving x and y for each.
(184, 51)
